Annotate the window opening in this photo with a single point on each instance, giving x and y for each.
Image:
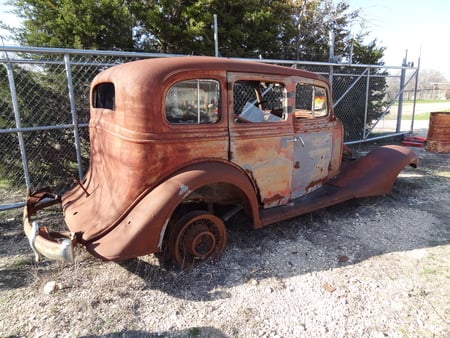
(310, 101)
(193, 102)
(259, 101)
(104, 96)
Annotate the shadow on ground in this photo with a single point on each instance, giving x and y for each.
(415, 215)
(199, 332)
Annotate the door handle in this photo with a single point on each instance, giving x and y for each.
(297, 139)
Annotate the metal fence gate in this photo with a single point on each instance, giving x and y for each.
(44, 110)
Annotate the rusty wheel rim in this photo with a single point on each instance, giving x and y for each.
(196, 237)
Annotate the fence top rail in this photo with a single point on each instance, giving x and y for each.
(22, 49)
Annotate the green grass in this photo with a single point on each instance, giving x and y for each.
(4, 183)
(424, 101)
(20, 263)
(422, 116)
(417, 116)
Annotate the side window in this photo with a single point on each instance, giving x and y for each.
(104, 96)
(193, 102)
(259, 101)
(310, 101)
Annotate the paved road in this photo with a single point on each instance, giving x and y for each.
(422, 107)
(420, 127)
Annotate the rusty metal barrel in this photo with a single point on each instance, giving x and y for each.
(438, 139)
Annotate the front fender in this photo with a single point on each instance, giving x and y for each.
(141, 232)
(375, 173)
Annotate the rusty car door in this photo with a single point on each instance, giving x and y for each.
(315, 129)
(261, 133)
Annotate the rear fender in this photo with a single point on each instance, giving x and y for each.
(141, 232)
(375, 173)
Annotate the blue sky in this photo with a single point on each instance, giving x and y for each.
(421, 27)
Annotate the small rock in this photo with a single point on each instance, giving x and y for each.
(253, 282)
(330, 288)
(51, 287)
(269, 290)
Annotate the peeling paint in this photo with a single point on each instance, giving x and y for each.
(161, 235)
(184, 190)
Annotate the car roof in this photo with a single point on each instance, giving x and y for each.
(160, 68)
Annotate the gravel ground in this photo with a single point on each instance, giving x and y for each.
(374, 267)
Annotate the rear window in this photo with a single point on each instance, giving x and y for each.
(104, 96)
(193, 101)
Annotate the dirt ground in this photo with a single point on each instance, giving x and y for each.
(374, 267)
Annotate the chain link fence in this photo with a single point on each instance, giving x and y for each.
(44, 110)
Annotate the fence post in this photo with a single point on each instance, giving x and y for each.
(216, 37)
(366, 104)
(73, 111)
(400, 98)
(12, 89)
(416, 84)
(331, 58)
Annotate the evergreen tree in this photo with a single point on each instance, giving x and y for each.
(315, 21)
(276, 29)
(351, 110)
(86, 24)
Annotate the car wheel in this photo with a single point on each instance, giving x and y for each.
(196, 237)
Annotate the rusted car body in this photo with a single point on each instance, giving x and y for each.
(180, 145)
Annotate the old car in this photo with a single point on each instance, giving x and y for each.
(180, 145)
